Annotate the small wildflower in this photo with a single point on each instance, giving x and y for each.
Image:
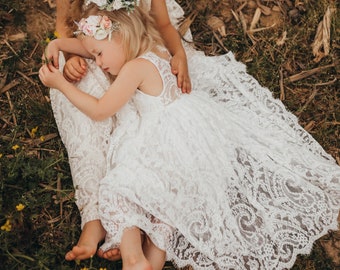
(47, 40)
(56, 34)
(15, 147)
(1, 155)
(34, 131)
(101, 268)
(20, 207)
(7, 226)
(42, 138)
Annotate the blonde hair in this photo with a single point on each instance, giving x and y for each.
(137, 29)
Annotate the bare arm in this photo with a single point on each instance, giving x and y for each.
(172, 39)
(71, 45)
(63, 6)
(75, 67)
(170, 35)
(120, 92)
(68, 45)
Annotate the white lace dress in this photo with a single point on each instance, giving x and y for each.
(214, 189)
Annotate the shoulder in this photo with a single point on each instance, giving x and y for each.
(138, 66)
(137, 72)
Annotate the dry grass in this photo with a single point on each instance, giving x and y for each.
(37, 175)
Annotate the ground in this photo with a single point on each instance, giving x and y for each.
(291, 47)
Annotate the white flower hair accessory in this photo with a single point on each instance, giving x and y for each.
(115, 4)
(95, 26)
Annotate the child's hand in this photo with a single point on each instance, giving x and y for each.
(51, 76)
(51, 54)
(179, 67)
(75, 68)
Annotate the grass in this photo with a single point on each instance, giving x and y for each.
(34, 170)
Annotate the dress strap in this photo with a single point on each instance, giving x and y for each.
(170, 90)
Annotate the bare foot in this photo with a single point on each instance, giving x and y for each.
(111, 254)
(91, 235)
(81, 252)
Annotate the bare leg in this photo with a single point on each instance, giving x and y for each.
(114, 254)
(92, 233)
(153, 254)
(132, 252)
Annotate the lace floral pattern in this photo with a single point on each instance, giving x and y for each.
(86, 141)
(221, 194)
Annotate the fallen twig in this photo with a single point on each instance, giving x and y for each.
(307, 73)
(26, 77)
(11, 108)
(11, 48)
(9, 86)
(309, 126)
(309, 100)
(282, 88)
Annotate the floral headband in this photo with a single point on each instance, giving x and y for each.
(96, 26)
(110, 5)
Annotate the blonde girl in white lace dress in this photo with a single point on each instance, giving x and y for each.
(85, 139)
(207, 186)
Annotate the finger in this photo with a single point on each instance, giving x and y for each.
(174, 71)
(55, 60)
(69, 77)
(76, 69)
(179, 81)
(83, 63)
(43, 68)
(72, 74)
(187, 87)
(79, 69)
(50, 66)
(174, 66)
(42, 74)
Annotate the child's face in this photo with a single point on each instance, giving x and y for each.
(109, 54)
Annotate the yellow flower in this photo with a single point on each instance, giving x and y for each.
(1, 155)
(84, 268)
(102, 268)
(34, 131)
(56, 34)
(42, 138)
(7, 226)
(47, 40)
(15, 147)
(20, 207)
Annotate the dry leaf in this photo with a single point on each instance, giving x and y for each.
(256, 18)
(17, 37)
(251, 4)
(282, 40)
(217, 24)
(265, 10)
(185, 25)
(322, 36)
